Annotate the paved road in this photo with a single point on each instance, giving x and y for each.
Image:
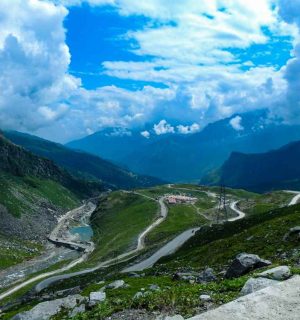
(279, 302)
(241, 214)
(121, 258)
(295, 199)
(168, 249)
(85, 209)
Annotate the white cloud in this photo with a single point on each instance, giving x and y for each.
(34, 60)
(145, 134)
(236, 123)
(195, 127)
(163, 127)
(189, 43)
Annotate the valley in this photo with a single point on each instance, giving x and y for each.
(140, 243)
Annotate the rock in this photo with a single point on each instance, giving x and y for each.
(97, 297)
(244, 263)
(186, 276)
(177, 317)
(278, 273)
(116, 284)
(205, 298)
(77, 310)
(206, 276)
(292, 231)
(255, 284)
(47, 309)
(133, 275)
(154, 287)
(138, 295)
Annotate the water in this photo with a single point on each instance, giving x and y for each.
(85, 232)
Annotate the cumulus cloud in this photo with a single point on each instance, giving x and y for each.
(163, 127)
(188, 44)
(34, 59)
(195, 127)
(145, 134)
(236, 123)
(289, 108)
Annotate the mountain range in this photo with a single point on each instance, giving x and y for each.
(40, 180)
(81, 164)
(188, 157)
(276, 169)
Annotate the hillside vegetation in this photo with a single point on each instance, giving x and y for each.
(261, 232)
(82, 164)
(273, 170)
(187, 157)
(34, 192)
(118, 221)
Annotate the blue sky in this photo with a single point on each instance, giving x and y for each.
(95, 35)
(98, 34)
(73, 67)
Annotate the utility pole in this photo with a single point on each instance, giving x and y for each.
(222, 210)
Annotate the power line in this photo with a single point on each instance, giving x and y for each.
(222, 209)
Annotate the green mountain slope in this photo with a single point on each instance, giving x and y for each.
(34, 192)
(82, 164)
(277, 169)
(261, 234)
(187, 157)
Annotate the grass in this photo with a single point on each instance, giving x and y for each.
(14, 251)
(21, 194)
(266, 202)
(118, 221)
(179, 219)
(258, 234)
(173, 297)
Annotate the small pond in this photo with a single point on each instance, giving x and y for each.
(85, 232)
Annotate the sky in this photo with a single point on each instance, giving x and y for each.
(69, 68)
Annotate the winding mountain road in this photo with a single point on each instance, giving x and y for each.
(54, 234)
(54, 274)
(240, 214)
(121, 258)
(169, 248)
(295, 199)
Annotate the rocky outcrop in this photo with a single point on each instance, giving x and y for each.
(97, 297)
(276, 302)
(206, 276)
(244, 263)
(46, 310)
(292, 232)
(255, 284)
(279, 273)
(116, 284)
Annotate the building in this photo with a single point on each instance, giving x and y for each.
(178, 199)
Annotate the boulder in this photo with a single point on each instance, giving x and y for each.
(206, 276)
(177, 317)
(97, 297)
(244, 263)
(133, 275)
(116, 284)
(205, 298)
(292, 232)
(154, 287)
(185, 276)
(255, 284)
(77, 310)
(278, 273)
(46, 310)
(138, 295)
